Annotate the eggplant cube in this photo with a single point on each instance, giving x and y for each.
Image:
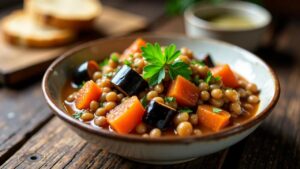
(129, 81)
(159, 115)
(85, 71)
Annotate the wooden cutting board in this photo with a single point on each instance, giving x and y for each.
(19, 63)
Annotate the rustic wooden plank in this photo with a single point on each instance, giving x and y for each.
(23, 111)
(56, 146)
(174, 25)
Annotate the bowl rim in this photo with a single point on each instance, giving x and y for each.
(189, 16)
(230, 131)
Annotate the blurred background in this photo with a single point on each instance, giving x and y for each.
(121, 17)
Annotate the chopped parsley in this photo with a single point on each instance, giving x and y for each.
(101, 104)
(77, 115)
(198, 62)
(82, 84)
(170, 99)
(109, 75)
(103, 63)
(144, 101)
(127, 62)
(114, 58)
(216, 110)
(210, 78)
(196, 80)
(185, 110)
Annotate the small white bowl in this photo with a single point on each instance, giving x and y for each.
(167, 149)
(247, 38)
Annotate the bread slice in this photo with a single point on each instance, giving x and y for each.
(19, 28)
(72, 14)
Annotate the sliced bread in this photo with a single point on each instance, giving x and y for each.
(73, 14)
(20, 28)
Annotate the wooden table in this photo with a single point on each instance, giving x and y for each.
(31, 137)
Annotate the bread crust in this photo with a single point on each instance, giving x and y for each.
(47, 19)
(60, 22)
(33, 41)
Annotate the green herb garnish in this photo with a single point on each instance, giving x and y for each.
(159, 62)
(218, 78)
(77, 115)
(82, 84)
(127, 62)
(197, 62)
(216, 110)
(170, 99)
(101, 104)
(196, 80)
(103, 63)
(114, 58)
(210, 78)
(180, 68)
(109, 75)
(185, 110)
(144, 101)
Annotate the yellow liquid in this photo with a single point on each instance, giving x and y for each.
(231, 21)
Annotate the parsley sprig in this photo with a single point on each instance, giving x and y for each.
(77, 115)
(216, 110)
(210, 78)
(185, 110)
(114, 57)
(103, 63)
(162, 62)
(170, 99)
(144, 101)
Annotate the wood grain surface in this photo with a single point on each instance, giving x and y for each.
(59, 147)
(32, 138)
(23, 112)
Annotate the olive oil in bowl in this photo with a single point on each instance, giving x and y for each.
(230, 21)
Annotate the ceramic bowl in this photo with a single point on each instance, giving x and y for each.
(164, 150)
(248, 38)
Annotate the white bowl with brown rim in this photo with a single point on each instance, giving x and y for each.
(163, 150)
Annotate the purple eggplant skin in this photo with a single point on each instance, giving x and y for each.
(159, 115)
(84, 72)
(128, 81)
(207, 60)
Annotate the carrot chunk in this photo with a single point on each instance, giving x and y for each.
(185, 92)
(126, 116)
(133, 48)
(89, 92)
(212, 120)
(227, 76)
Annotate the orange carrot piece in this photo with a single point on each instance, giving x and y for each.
(90, 91)
(133, 48)
(185, 92)
(227, 76)
(126, 116)
(212, 120)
